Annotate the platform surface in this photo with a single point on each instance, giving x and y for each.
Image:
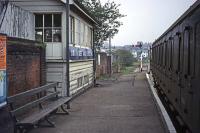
(116, 106)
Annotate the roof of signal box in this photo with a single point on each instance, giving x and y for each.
(81, 8)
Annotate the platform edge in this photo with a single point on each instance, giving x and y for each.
(169, 127)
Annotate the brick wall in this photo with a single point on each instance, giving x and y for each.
(26, 69)
(25, 65)
(102, 69)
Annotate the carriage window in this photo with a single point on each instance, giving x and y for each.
(179, 52)
(191, 52)
(176, 53)
(181, 59)
(170, 45)
(48, 27)
(157, 48)
(171, 53)
(166, 50)
(160, 52)
(156, 60)
(163, 54)
(186, 52)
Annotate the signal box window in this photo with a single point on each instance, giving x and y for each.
(48, 27)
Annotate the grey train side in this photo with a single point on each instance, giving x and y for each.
(175, 65)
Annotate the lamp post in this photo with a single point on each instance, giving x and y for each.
(141, 57)
(141, 65)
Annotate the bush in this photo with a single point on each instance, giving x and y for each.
(125, 57)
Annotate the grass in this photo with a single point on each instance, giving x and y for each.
(125, 71)
(130, 69)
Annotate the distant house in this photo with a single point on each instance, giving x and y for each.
(144, 54)
(134, 53)
(138, 51)
(48, 25)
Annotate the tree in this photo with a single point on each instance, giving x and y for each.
(125, 57)
(107, 15)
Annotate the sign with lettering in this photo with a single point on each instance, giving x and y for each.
(2, 52)
(80, 53)
(3, 83)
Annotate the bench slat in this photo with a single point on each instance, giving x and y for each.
(31, 104)
(14, 98)
(36, 116)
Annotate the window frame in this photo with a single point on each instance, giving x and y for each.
(52, 28)
(72, 29)
(83, 33)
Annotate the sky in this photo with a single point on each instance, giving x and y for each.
(146, 20)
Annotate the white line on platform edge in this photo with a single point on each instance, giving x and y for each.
(167, 121)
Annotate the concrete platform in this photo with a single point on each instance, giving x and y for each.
(122, 106)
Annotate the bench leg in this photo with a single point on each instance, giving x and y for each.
(50, 124)
(22, 128)
(61, 111)
(68, 105)
(19, 129)
(64, 110)
(15, 129)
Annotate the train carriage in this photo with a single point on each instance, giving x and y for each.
(175, 65)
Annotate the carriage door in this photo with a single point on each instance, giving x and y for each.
(48, 30)
(196, 80)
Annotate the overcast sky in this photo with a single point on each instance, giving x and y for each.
(147, 19)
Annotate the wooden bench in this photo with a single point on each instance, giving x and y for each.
(29, 108)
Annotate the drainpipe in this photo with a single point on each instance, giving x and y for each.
(94, 59)
(67, 52)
